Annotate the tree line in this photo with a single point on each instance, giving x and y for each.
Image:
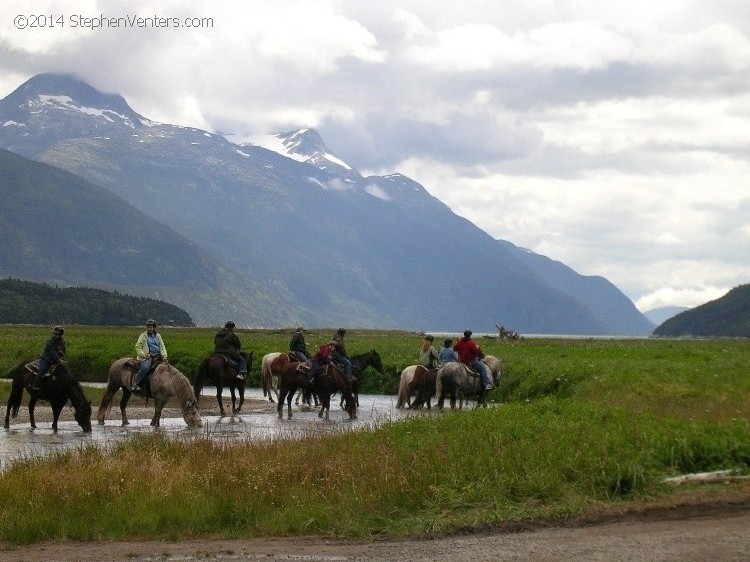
(25, 302)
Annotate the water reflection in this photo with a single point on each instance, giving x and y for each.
(21, 442)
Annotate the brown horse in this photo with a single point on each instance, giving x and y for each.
(58, 387)
(292, 375)
(423, 384)
(164, 383)
(217, 369)
(327, 383)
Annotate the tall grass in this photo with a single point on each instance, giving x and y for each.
(545, 459)
(582, 425)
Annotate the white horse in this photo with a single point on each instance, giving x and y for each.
(454, 378)
(404, 396)
(268, 378)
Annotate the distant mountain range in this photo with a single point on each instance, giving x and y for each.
(272, 230)
(728, 316)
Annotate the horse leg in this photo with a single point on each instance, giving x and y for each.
(126, 394)
(56, 409)
(241, 390)
(289, 398)
(453, 398)
(234, 399)
(219, 391)
(158, 406)
(32, 405)
(104, 404)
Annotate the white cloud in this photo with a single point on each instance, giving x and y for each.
(610, 136)
(377, 192)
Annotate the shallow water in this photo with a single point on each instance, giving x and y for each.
(21, 442)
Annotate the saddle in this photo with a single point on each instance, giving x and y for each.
(231, 363)
(304, 368)
(134, 365)
(33, 366)
(471, 371)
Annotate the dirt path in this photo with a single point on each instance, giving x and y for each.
(721, 532)
(708, 523)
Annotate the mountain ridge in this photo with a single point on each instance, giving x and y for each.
(341, 249)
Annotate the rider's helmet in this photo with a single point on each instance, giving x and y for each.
(58, 330)
(467, 333)
(341, 331)
(429, 338)
(229, 325)
(150, 322)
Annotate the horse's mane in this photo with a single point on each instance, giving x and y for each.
(495, 364)
(180, 383)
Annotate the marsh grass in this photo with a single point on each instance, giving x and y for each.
(581, 426)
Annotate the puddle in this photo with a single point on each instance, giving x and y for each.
(21, 442)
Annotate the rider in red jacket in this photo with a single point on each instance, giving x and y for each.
(469, 353)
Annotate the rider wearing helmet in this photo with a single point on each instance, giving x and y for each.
(149, 346)
(338, 352)
(227, 343)
(53, 353)
(470, 354)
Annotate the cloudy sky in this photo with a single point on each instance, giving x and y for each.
(612, 136)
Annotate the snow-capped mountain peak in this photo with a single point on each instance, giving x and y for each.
(67, 95)
(303, 145)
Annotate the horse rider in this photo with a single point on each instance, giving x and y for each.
(148, 348)
(470, 354)
(428, 356)
(447, 354)
(53, 353)
(319, 361)
(338, 352)
(297, 345)
(227, 343)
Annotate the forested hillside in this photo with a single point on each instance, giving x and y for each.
(24, 302)
(728, 316)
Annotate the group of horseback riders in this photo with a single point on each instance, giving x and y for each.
(332, 351)
(150, 350)
(465, 351)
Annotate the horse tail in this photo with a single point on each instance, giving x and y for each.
(265, 376)
(403, 388)
(114, 381)
(200, 376)
(439, 383)
(16, 389)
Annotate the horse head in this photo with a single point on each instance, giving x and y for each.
(377, 363)
(83, 416)
(191, 415)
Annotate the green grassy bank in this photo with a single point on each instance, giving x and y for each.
(582, 426)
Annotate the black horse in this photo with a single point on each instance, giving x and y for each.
(57, 388)
(216, 368)
(359, 364)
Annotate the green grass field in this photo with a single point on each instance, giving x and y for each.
(580, 426)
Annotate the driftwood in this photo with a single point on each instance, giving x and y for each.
(705, 477)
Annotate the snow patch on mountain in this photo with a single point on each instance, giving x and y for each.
(304, 145)
(67, 103)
